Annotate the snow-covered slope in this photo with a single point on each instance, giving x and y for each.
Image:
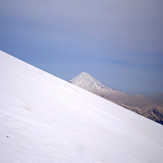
(45, 119)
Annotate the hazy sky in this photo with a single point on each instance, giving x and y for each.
(118, 42)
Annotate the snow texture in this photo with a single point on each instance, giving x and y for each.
(45, 119)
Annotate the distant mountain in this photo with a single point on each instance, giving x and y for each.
(158, 96)
(146, 106)
(86, 81)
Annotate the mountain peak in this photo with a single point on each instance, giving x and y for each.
(84, 74)
(88, 82)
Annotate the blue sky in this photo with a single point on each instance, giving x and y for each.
(120, 43)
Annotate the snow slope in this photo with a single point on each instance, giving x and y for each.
(45, 119)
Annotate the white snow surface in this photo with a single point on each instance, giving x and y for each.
(44, 119)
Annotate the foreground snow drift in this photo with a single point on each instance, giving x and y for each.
(46, 120)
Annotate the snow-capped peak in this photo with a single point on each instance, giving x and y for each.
(86, 81)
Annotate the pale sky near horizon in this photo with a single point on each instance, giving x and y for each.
(120, 43)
